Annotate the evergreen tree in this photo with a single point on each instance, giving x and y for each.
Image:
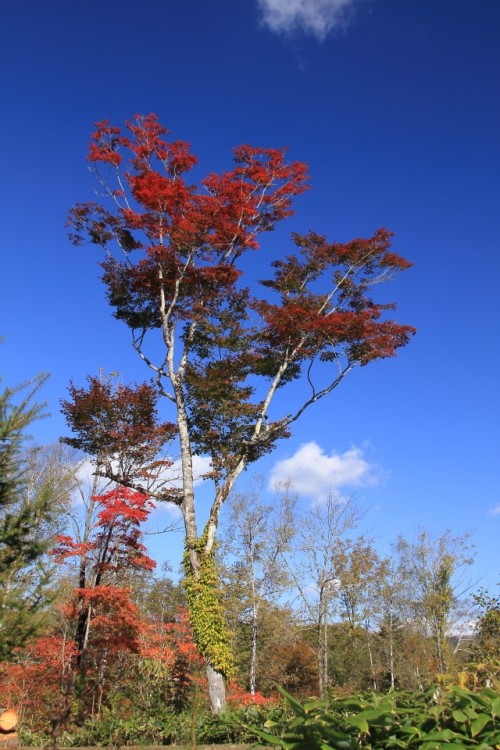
(28, 510)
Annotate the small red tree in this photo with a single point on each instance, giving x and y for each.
(31, 681)
(106, 620)
(225, 350)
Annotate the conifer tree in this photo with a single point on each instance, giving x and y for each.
(27, 511)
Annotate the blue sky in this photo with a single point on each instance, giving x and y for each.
(395, 106)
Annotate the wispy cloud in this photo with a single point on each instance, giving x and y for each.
(317, 18)
(313, 472)
(495, 511)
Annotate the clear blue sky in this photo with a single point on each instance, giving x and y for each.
(395, 106)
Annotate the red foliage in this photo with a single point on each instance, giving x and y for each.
(169, 641)
(31, 681)
(237, 697)
(104, 619)
(316, 306)
(116, 421)
(116, 621)
(115, 545)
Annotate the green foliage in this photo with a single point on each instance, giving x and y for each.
(28, 506)
(432, 570)
(229, 726)
(487, 641)
(210, 631)
(113, 728)
(435, 719)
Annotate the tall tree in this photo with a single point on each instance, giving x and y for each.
(225, 350)
(312, 563)
(35, 485)
(389, 596)
(432, 569)
(358, 569)
(254, 537)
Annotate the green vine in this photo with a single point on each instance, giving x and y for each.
(210, 631)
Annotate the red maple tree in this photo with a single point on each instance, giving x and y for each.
(106, 620)
(226, 349)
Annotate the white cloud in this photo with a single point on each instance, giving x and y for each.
(495, 511)
(313, 473)
(315, 17)
(170, 477)
(201, 466)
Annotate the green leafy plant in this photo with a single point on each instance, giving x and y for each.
(438, 718)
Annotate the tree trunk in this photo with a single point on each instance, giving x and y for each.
(391, 652)
(216, 690)
(370, 656)
(322, 654)
(253, 662)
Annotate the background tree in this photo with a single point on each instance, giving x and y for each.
(392, 629)
(254, 537)
(35, 487)
(312, 562)
(225, 351)
(432, 569)
(105, 618)
(359, 569)
(486, 647)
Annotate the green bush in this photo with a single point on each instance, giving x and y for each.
(436, 719)
(439, 718)
(112, 729)
(238, 725)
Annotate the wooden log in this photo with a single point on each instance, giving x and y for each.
(8, 719)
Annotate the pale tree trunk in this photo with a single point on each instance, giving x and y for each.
(253, 662)
(391, 652)
(391, 665)
(322, 643)
(323, 658)
(216, 690)
(370, 656)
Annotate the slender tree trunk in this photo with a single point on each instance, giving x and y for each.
(325, 654)
(439, 648)
(391, 651)
(253, 661)
(322, 650)
(370, 656)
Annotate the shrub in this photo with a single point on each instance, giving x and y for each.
(436, 719)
